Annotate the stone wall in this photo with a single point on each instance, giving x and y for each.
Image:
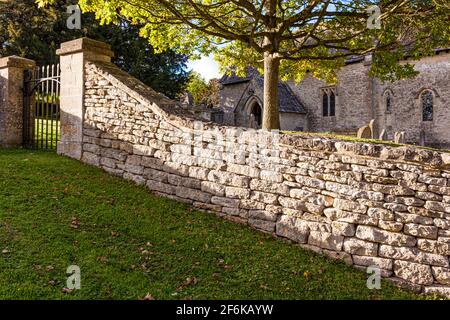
(370, 205)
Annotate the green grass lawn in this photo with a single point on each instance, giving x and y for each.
(56, 212)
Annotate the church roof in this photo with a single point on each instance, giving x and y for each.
(288, 101)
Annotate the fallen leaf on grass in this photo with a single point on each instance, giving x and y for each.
(148, 296)
(66, 290)
(5, 251)
(75, 223)
(264, 286)
(102, 259)
(188, 282)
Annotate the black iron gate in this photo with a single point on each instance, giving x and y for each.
(41, 125)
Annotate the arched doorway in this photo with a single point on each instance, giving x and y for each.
(256, 113)
(250, 114)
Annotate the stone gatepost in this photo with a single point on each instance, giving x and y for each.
(11, 99)
(73, 56)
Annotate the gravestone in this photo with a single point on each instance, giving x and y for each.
(422, 141)
(399, 137)
(373, 130)
(383, 135)
(364, 133)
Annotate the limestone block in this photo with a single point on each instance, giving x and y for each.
(292, 228)
(390, 225)
(161, 187)
(439, 290)
(225, 202)
(425, 212)
(310, 182)
(326, 240)
(413, 272)
(263, 225)
(216, 189)
(270, 187)
(237, 193)
(264, 197)
(438, 247)
(176, 168)
(138, 179)
(150, 162)
(271, 176)
(413, 255)
(442, 223)
(382, 236)
(349, 205)
(381, 263)
(356, 218)
(428, 196)
(90, 158)
(343, 229)
(437, 206)
(231, 211)
(442, 275)
(244, 170)
(360, 247)
(198, 173)
(429, 232)
(207, 206)
(412, 218)
(184, 181)
(156, 175)
(339, 255)
(439, 190)
(228, 178)
(381, 214)
(262, 215)
(314, 198)
(193, 194)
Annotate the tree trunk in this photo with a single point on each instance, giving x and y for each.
(271, 115)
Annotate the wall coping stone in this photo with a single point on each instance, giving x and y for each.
(85, 45)
(16, 62)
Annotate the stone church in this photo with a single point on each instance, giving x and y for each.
(419, 106)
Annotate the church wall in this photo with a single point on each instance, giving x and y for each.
(229, 97)
(293, 122)
(406, 112)
(353, 100)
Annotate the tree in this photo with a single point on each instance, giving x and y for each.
(291, 36)
(36, 33)
(206, 93)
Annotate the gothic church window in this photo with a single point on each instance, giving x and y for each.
(325, 104)
(332, 104)
(426, 99)
(328, 102)
(388, 98)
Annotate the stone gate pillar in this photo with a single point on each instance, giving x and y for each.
(11, 99)
(73, 56)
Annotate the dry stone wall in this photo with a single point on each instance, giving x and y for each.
(370, 205)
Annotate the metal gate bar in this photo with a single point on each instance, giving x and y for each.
(41, 108)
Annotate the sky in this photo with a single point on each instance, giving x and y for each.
(206, 66)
